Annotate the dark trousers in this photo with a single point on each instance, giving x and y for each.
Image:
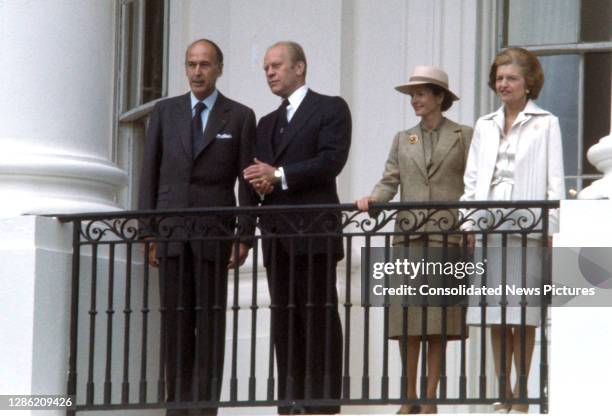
(306, 328)
(193, 296)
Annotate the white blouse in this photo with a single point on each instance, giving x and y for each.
(504, 168)
(537, 163)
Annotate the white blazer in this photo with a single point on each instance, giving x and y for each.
(538, 170)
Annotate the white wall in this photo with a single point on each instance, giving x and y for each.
(357, 49)
(34, 305)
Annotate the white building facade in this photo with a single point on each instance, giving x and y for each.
(79, 78)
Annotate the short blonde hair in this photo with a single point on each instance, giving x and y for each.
(296, 52)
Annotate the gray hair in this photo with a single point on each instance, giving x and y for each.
(216, 47)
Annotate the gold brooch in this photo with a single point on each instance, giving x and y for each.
(413, 139)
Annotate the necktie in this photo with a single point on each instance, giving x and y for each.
(284, 105)
(197, 131)
(281, 125)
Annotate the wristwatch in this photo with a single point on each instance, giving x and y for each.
(278, 174)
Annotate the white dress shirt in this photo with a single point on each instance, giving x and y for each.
(295, 99)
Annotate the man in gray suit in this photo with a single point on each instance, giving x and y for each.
(196, 146)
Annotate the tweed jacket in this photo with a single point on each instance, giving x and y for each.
(405, 167)
(538, 172)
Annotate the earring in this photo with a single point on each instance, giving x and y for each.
(527, 91)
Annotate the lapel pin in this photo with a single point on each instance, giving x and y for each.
(413, 139)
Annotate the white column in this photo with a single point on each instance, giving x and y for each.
(600, 155)
(56, 107)
(56, 131)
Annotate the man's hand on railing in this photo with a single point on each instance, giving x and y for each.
(243, 252)
(363, 204)
(152, 257)
(471, 240)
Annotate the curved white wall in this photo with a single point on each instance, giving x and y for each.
(56, 107)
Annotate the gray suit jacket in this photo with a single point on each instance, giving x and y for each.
(406, 168)
(173, 178)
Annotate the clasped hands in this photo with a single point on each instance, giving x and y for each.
(261, 176)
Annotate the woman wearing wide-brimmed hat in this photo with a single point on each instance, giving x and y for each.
(427, 162)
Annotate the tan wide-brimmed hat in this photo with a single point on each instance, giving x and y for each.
(422, 75)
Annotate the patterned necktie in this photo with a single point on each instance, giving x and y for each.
(197, 131)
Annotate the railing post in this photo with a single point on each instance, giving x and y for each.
(543, 337)
(346, 379)
(74, 308)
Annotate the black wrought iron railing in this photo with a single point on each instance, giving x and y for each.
(124, 355)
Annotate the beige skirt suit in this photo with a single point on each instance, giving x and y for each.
(423, 174)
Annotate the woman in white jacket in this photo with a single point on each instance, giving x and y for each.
(515, 154)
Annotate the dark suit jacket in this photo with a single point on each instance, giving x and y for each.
(313, 152)
(172, 178)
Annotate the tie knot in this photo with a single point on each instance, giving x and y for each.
(285, 103)
(199, 107)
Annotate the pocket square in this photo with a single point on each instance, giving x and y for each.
(224, 136)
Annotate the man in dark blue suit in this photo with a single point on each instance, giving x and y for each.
(197, 145)
(301, 148)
